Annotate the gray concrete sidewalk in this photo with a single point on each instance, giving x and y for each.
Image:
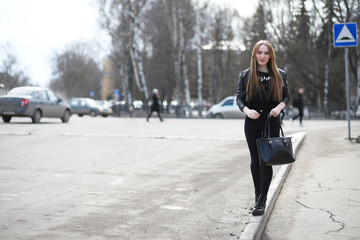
(320, 198)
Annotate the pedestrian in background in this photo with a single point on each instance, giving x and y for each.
(282, 115)
(155, 106)
(299, 104)
(262, 91)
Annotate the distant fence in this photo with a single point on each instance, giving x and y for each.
(180, 111)
(125, 110)
(320, 113)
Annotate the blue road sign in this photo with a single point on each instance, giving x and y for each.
(116, 94)
(345, 35)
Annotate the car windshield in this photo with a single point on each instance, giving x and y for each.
(228, 102)
(20, 91)
(92, 103)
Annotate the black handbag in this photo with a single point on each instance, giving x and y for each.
(274, 150)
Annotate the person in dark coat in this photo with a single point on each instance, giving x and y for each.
(299, 104)
(155, 107)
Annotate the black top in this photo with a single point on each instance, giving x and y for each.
(298, 101)
(260, 102)
(155, 104)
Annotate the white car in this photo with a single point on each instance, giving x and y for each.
(357, 113)
(227, 108)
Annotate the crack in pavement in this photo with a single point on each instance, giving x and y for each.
(332, 217)
(352, 200)
(322, 189)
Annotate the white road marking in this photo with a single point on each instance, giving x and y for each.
(173, 207)
(151, 136)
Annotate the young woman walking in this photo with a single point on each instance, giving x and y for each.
(262, 91)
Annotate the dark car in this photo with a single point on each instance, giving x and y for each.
(33, 102)
(86, 106)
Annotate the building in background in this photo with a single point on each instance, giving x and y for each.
(109, 81)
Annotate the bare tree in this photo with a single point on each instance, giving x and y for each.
(330, 12)
(164, 40)
(10, 75)
(198, 47)
(75, 72)
(221, 36)
(159, 65)
(122, 20)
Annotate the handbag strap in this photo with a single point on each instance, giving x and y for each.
(267, 127)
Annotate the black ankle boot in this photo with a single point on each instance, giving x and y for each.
(256, 197)
(259, 208)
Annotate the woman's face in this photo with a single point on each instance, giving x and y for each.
(262, 56)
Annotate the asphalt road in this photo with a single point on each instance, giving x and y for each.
(123, 178)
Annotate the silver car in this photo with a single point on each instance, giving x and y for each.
(87, 106)
(227, 108)
(33, 102)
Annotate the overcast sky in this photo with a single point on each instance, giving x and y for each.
(37, 28)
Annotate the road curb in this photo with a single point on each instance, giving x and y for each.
(256, 225)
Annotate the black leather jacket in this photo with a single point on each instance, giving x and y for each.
(242, 84)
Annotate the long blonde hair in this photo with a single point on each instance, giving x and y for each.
(254, 86)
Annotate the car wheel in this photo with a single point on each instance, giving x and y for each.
(65, 118)
(6, 118)
(93, 113)
(36, 117)
(218, 115)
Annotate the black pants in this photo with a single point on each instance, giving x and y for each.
(158, 113)
(282, 115)
(300, 115)
(253, 129)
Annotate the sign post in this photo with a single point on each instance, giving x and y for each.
(345, 36)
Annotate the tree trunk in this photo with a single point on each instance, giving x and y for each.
(136, 56)
(186, 81)
(134, 66)
(183, 60)
(199, 62)
(142, 75)
(130, 74)
(177, 57)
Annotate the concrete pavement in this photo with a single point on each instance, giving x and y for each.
(256, 225)
(179, 179)
(320, 197)
(124, 178)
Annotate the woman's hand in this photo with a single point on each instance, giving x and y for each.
(251, 113)
(276, 111)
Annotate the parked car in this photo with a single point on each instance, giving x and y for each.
(357, 113)
(33, 102)
(86, 106)
(138, 104)
(107, 107)
(227, 108)
(120, 107)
